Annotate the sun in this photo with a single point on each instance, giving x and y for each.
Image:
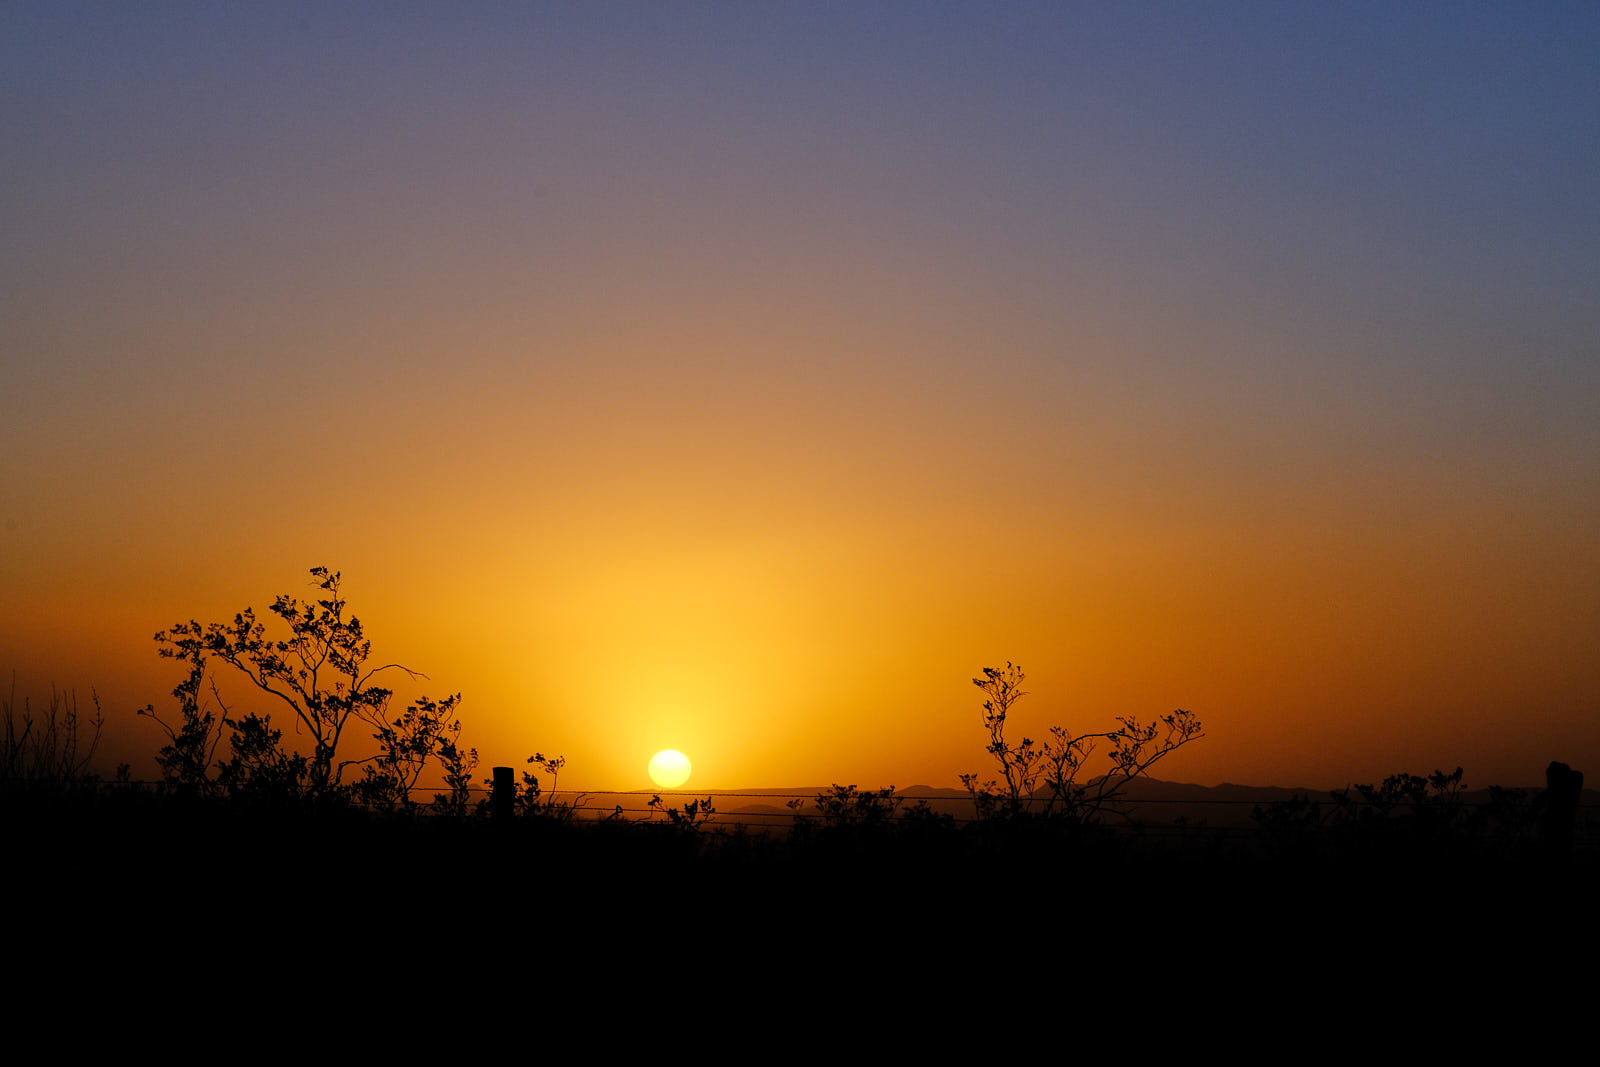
(669, 768)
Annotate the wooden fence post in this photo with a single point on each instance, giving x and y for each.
(1563, 790)
(503, 799)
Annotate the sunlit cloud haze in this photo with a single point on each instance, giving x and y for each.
(741, 379)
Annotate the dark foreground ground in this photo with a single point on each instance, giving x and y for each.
(143, 867)
(138, 921)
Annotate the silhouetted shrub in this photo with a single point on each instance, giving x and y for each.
(1132, 748)
(319, 671)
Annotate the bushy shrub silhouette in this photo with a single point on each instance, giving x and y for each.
(319, 671)
(691, 817)
(844, 816)
(1406, 818)
(1404, 804)
(534, 801)
(1028, 769)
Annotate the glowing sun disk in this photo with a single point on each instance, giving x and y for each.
(669, 768)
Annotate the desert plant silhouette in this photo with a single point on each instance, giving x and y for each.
(48, 749)
(845, 817)
(1417, 818)
(846, 806)
(1132, 749)
(319, 671)
(693, 816)
(534, 800)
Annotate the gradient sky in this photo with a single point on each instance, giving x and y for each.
(742, 378)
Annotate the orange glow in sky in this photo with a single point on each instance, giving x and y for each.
(745, 386)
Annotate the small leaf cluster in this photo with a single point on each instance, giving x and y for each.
(691, 817)
(535, 801)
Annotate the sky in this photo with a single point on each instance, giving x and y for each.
(744, 378)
